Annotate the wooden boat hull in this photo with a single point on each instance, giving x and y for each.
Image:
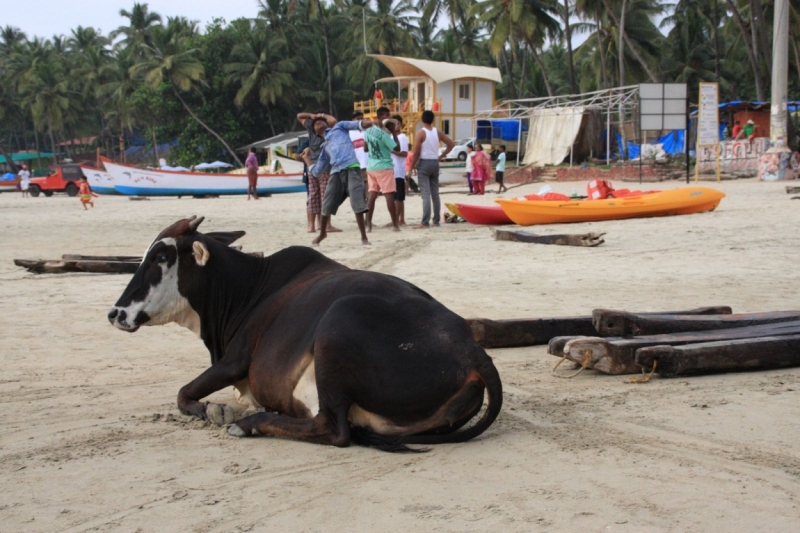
(492, 215)
(134, 181)
(682, 201)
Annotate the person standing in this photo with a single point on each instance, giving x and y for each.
(426, 161)
(24, 180)
(251, 163)
(378, 97)
(470, 167)
(360, 146)
(481, 169)
(316, 183)
(345, 180)
(381, 144)
(85, 193)
(399, 157)
(737, 130)
(500, 169)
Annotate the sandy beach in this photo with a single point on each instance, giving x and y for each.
(92, 441)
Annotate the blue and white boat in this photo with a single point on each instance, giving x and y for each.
(100, 182)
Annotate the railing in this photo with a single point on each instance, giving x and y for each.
(396, 105)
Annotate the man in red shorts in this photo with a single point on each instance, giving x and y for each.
(381, 143)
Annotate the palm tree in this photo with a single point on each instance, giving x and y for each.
(259, 67)
(456, 10)
(171, 60)
(567, 10)
(389, 27)
(644, 8)
(138, 33)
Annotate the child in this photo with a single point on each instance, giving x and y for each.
(500, 169)
(85, 192)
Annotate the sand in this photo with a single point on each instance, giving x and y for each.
(91, 439)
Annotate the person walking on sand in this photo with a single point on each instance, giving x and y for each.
(426, 161)
(316, 183)
(481, 170)
(251, 164)
(24, 180)
(399, 158)
(500, 169)
(360, 146)
(381, 145)
(85, 193)
(345, 172)
(470, 167)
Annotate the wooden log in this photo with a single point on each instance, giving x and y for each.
(526, 332)
(621, 324)
(792, 189)
(607, 322)
(615, 355)
(557, 344)
(60, 267)
(762, 353)
(585, 239)
(534, 331)
(76, 257)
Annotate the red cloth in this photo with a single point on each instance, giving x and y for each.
(479, 163)
(479, 187)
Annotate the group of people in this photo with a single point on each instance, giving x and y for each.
(479, 169)
(85, 193)
(361, 159)
(747, 132)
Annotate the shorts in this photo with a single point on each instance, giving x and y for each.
(86, 198)
(400, 190)
(498, 177)
(346, 182)
(381, 180)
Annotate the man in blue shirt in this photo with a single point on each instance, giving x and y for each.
(339, 155)
(500, 169)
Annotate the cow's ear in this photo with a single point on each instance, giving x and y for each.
(225, 237)
(200, 252)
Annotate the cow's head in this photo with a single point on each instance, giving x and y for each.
(153, 297)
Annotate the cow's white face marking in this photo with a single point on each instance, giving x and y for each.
(163, 303)
(305, 391)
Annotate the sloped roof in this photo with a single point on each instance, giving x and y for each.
(438, 71)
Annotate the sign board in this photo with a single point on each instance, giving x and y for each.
(662, 106)
(708, 115)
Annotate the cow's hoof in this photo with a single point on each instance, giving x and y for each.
(220, 414)
(236, 431)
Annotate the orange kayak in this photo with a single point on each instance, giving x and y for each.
(665, 203)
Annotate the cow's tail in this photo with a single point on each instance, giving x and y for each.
(491, 381)
(494, 388)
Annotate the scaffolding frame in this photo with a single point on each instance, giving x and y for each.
(621, 99)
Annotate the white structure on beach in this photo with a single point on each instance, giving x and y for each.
(454, 92)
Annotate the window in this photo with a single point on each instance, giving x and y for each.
(446, 126)
(463, 91)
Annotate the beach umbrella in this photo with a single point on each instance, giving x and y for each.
(219, 164)
(204, 166)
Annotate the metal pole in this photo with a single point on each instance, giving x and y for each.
(775, 162)
(641, 153)
(608, 135)
(571, 136)
(519, 139)
(686, 136)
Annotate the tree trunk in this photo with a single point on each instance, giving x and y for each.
(602, 50)
(269, 118)
(522, 74)
(458, 41)
(634, 51)
(324, 24)
(155, 144)
(212, 132)
(573, 89)
(763, 32)
(793, 40)
(749, 45)
(716, 41)
(11, 164)
(509, 70)
(53, 144)
(542, 68)
(621, 43)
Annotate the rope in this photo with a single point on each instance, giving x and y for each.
(646, 377)
(585, 363)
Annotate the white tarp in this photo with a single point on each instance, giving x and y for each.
(551, 134)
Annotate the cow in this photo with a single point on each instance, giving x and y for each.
(333, 355)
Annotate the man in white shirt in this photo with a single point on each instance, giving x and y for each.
(24, 180)
(360, 146)
(399, 159)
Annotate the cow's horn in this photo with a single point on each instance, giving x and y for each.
(194, 222)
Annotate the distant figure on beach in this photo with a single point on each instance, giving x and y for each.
(749, 130)
(85, 193)
(400, 157)
(251, 164)
(426, 161)
(345, 180)
(378, 97)
(24, 180)
(481, 170)
(381, 142)
(316, 124)
(499, 171)
(737, 130)
(470, 167)
(360, 146)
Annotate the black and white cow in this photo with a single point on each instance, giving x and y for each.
(334, 355)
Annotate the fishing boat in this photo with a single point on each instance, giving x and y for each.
(683, 201)
(101, 182)
(133, 181)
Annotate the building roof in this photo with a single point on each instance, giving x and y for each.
(438, 71)
(278, 139)
(26, 156)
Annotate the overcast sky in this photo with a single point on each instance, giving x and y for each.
(45, 18)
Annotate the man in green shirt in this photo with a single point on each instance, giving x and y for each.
(381, 142)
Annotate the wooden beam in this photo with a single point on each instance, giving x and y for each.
(614, 355)
(792, 189)
(621, 324)
(762, 353)
(585, 239)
